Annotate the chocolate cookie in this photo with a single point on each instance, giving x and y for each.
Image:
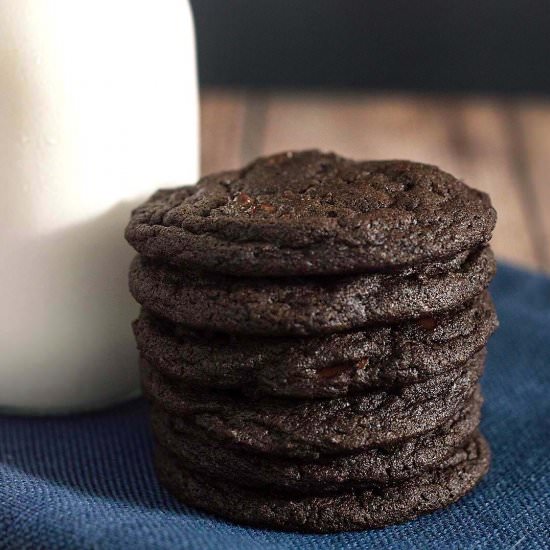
(320, 366)
(313, 213)
(311, 305)
(379, 465)
(309, 429)
(355, 509)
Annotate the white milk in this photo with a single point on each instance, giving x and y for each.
(98, 108)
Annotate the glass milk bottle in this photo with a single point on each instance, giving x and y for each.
(98, 108)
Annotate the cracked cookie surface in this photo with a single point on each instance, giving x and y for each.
(346, 511)
(308, 305)
(311, 428)
(309, 213)
(319, 366)
(375, 466)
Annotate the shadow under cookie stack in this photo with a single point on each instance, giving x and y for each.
(312, 336)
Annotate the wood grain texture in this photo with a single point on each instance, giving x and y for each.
(534, 130)
(222, 130)
(497, 146)
(487, 156)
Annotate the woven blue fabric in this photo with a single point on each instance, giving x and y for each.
(87, 481)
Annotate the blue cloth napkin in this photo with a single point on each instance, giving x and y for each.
(87, 481)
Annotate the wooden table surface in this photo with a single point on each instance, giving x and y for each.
(501, 146)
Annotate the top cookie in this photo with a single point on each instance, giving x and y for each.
(313, 213)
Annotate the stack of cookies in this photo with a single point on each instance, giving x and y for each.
(312, 336)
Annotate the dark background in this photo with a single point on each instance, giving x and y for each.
(498, 46)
